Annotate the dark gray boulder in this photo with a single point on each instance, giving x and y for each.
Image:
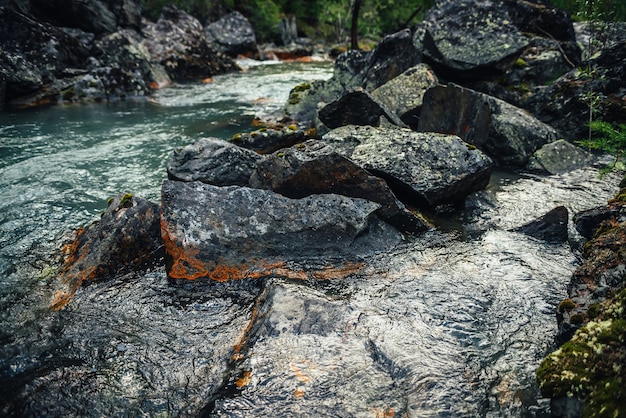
(356, 107)
(232, 35)
(588, 221)
(392, 56)
(213, 161)
(177, 42)
(126, 238)
(315, 167)
(551, 227)
(403, 95)
(506, 133)
(421, 168)
(558, 157)
(470, 39)
(235, 233)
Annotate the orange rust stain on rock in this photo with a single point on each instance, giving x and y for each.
(300, 375)
(299, 393)
(338, 272)
(207, 80)
(385, 413)
(185, 265)
(244, 379)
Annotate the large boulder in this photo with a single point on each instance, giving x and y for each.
(470, 39)
(421, 168)
(235, 233)
(213, 161)
(508, 134)
(271, 138)
(404, 94)
(566, 104)
(125, 239)
(177, 42)
(392, 56)
(315, 167)
(232, 35)
(356, 107)
(34, 54)
(95, 16)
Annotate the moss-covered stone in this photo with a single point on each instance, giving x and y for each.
(592, 365)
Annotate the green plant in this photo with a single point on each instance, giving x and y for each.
(611, 139)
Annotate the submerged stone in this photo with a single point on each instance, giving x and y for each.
(551, 227)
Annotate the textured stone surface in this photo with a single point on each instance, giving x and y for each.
(421, 168)
(404, 94)
(508, 134)
(356, 107)
(177, 42)
(558, 157)
(315, 167)
(213, 161)
(235, 233)
(126, 238)
(470, 39)
(233, 35)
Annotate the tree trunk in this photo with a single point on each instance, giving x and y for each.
(354, 32)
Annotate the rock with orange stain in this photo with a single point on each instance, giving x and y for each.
(234, 233)
(126, 238)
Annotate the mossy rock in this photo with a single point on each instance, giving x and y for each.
(592, 365)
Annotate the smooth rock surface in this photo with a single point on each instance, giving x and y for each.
(236, 233)
(551, 227)
(421, 168)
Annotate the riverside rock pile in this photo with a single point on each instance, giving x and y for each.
(359, 162)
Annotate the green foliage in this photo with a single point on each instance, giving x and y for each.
(610, 139)
(598, 10)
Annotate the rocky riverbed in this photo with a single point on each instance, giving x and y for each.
(352, 183)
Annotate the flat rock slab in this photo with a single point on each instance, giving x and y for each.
(233, 233)
(426, 168)
(213, 161)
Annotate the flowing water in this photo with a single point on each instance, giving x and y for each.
(450, 324)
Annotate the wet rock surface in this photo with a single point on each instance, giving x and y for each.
(551, 227)
(126, 238)
(236, 233)
(356, 107)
